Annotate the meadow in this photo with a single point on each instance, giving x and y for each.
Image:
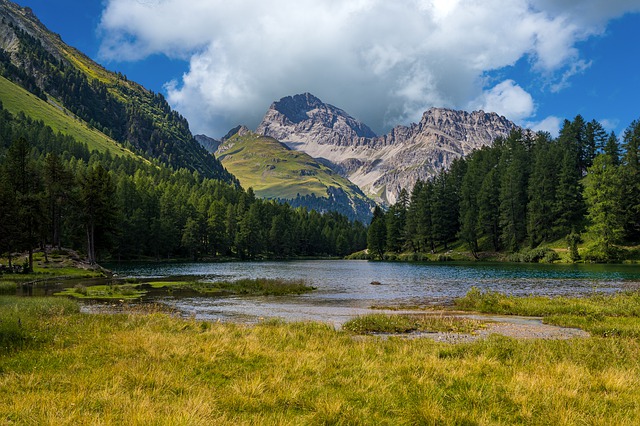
(59, 366)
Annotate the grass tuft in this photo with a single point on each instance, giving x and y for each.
(405, 323)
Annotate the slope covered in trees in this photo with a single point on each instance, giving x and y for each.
(524, 191)
(138, 119)
(55, 192)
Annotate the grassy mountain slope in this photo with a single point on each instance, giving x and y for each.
(16, 99)
(38, 60)
(277, 172)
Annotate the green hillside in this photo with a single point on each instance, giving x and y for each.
(16, 99)
(276, 172)
(39, 61)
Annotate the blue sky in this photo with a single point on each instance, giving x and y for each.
(222, 63)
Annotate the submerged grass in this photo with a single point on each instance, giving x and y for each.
(133, 289)
(409, 323)
(157, 369)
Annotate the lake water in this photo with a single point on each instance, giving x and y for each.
(344, 288)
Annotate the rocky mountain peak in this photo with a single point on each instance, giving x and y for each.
(238, 130)
(380, 165)
(304, 112)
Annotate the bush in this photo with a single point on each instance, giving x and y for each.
(536, 255)
(598, 253)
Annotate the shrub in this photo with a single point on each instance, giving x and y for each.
(536, 255)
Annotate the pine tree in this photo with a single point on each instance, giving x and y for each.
(630, 168)
(603, 197)
(542, 191)
(99, 209)
(513, 192)
(377, 233)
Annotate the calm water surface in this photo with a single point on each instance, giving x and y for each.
(344, 287)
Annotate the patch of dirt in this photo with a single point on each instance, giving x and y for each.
(504, 325)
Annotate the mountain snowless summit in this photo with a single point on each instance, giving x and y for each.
(380, 165)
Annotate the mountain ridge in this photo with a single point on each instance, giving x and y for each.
(381, 165)
(136, 118)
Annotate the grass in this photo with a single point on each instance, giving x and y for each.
(600, 314)
(156, 369)
(61, 264)
(7, 286)
(103, 292)
(405, 323)
(16, 99)
(274, 171)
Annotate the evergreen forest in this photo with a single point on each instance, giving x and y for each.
(55, 192)
(523, 193)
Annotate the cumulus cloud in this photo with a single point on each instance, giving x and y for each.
(508, 99)
(550, 124)
(383, 62)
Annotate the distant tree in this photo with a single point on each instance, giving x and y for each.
(630, 168)
(542, 191)
(24, 181)
(58, 184)
(603, 196)
(377, 234)
(99, 209)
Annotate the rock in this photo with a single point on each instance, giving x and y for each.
(380, 165)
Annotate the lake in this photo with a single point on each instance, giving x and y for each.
(344, 287)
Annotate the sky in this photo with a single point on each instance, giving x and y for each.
(221, 63)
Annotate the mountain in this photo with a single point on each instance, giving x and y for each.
(275, 171)
(380, 165)
(210, 144)
(128, 115)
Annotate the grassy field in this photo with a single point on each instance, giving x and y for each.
(15, 99)
(58, 367)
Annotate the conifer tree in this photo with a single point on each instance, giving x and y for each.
(603, 197)
(630, 168)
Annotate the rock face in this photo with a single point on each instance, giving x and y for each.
(210, 144)
(380, 165)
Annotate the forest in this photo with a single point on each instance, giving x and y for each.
(523, 192)
(55, 193)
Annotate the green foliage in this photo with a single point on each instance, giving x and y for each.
(261, 287)
(121, 110)
(529, 191)
(536, 255)
(119, 207)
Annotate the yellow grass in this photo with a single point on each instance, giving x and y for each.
(154, 369)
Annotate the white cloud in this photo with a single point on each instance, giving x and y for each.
(550, 124)
(384, 62)
(610, 124)
(508, 99)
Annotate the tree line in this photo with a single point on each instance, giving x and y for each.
(54, 192)
(523, 191)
